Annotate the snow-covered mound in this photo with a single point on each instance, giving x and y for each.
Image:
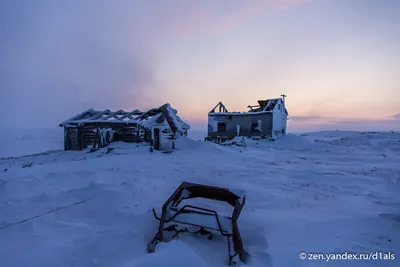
(75, 208)
(186, 143)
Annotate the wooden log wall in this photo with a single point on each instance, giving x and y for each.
(88, 135)
(80, 137)
(128, 134)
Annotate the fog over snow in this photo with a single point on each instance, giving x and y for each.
(337, 60)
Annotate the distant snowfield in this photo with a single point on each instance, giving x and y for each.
(325, 192)
(19, 143)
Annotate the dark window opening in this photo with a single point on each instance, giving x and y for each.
(221, 127)
(254, 127)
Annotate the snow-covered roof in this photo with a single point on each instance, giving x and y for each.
(136, 116)
(149, 120)
(266, 105)
(105, 116)
(172, 119)
(170, 114)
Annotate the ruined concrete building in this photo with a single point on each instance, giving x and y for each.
(265, 120)
(158, 126)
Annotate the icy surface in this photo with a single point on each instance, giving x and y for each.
(321, 192)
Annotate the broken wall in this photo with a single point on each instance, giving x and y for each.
(259, 124)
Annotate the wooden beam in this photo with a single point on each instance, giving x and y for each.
(98, 115)
(283, 97)
(114, 114)
(129, 115)
(151, 112)
(221, 107)
(267, 105)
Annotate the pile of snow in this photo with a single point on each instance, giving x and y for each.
(183, 142)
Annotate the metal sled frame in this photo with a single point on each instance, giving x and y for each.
(190, 190)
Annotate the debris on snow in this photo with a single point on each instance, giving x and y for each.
(237, 141)
(27, 165)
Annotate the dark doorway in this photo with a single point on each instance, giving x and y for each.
(157, 139)
(72, 139)
(255, 127)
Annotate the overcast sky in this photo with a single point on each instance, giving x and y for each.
(337, 60)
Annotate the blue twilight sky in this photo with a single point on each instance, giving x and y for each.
(337, 60)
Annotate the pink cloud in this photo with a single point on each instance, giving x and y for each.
(208, 18)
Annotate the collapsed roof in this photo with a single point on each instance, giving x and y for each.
(263, 106)
(134, 117)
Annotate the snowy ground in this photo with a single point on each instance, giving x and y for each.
(326, 192)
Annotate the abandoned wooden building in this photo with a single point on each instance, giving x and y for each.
(265, 120)
(158, 127)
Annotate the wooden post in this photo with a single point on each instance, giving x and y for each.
(80, 137)
(96, 137)
(283, 97)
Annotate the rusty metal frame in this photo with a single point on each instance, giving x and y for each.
(208, 192)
